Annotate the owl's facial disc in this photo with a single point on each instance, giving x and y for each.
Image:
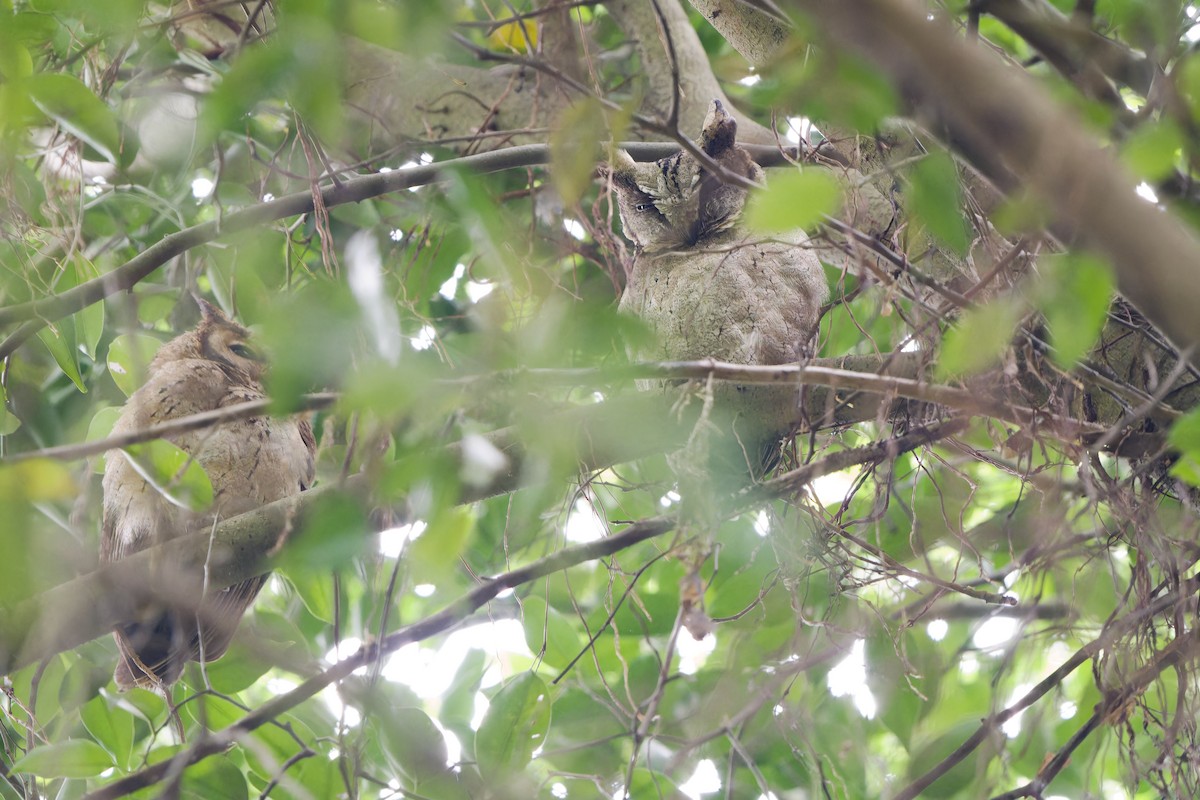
(230, 344)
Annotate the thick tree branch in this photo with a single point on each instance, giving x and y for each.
(1012, 130)
(616, 431)
(37, 313)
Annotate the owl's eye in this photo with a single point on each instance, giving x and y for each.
(242, 350)
(640, 207)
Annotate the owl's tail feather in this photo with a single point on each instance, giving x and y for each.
(155, 649)
(153, 653)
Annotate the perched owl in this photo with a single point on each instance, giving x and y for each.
(249, 462)
(705, 286)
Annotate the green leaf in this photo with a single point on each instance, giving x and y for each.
(172, 472)
(59, 339)
(652, 783)
(35, 481)
(128, 356)
(934, 197)
(15, 61)
(793, 200)
(333, 534)
(1184, 435)
(549, 632)
(8, 422)
(99, 428)
(1074, 296)
(72, 105)
(1151, 150)
(76, 758)
(927, 756)
(575, 148)
(239, 668)
(89, 321)
(414, 741)
(979, 339)
(315, 591)
(111, 728)
(434, 555)
(214, 779)
(514, 726)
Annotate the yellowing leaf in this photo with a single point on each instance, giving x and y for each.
(38, 480)
(792, 200)
(520, 37)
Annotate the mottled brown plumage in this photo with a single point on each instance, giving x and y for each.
(706, 286)
(249, 462)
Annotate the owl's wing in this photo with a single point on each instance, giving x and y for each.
(220, 615)
(304, 424)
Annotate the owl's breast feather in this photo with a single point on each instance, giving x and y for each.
(744, 301)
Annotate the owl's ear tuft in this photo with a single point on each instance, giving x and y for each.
(622, 168)
(209, 312)
(719, 132)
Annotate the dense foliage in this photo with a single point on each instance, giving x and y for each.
(972, 575)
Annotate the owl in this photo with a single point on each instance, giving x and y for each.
(249, 462)
(707, 287)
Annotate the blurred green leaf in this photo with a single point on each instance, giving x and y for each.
(458, 704)
(241, 666)
(213, 779)
(8, 422)
(550, 633)
(128, 356)
(59, 339)
(316, 591)
(15, 61)
(72, 105)
(575, 148)
(934, 197)
(979, 338)
(173, 473)
(514, 726)
(111, 727)
(74, 758)
(963, 774)
(99, 428)
(89, 322)
(414, 741)
(434, 555)
(334, 532)
(793, 200)
(651, 783)
(1074, 295)
(1185, 433)
(37, 480)
(1152, 149)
